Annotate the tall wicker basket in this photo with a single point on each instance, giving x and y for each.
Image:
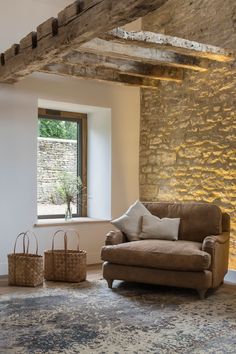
(25, 269)
(65, 265)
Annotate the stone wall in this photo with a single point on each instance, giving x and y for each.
(188, 130)
(207, 21)
(54, 157)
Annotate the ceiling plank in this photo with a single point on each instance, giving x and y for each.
(125, 66)
(90, 22)
(146, 55)
(100, 74)
(164, 42)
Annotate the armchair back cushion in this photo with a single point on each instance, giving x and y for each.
(197, 220)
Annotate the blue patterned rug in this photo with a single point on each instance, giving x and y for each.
(90, 318)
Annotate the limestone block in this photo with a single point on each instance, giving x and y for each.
(168, 158)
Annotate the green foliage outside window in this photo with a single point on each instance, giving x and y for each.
(59, 129)
(68, 189)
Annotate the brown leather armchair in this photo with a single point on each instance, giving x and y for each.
(198, 259)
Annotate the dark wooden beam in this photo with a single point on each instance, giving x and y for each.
(100, 74)
(125, 66)
(83, 21)
(144, 55)
(169, 43)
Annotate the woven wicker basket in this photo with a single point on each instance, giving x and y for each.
(65, 265)
(25, 269)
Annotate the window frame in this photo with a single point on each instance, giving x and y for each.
(81, 119)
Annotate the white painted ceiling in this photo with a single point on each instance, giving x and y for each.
(20, 17)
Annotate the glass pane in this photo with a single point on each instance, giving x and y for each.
(57, 165)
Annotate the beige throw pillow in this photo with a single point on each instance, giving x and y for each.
(162, 229)
(131, 222)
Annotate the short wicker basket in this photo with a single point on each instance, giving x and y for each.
(25, 269)
(65, 265)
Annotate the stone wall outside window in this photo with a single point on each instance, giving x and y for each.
(54, 157)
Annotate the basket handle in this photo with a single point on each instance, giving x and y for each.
(77, 234)
(65, 239)
(23, 245)
(36, 240)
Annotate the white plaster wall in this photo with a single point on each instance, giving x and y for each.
(18, 155)
(20, 17)
(124, 103)
(99, 165)
(18, 136)
(98, 155)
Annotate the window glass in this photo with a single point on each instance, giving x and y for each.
(59, 166)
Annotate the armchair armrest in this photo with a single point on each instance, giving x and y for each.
(115, 238)
(218, 247)
(209, 242)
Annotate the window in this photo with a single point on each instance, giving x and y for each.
(62, 151)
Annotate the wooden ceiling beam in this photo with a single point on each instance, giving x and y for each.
(78, 24)
(100, 74)
(125, 66)
(145, 55)
(169, 43)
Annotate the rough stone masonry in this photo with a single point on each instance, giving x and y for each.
(54, 157)
(188, 130)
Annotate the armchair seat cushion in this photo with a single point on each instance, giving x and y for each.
(161, 254)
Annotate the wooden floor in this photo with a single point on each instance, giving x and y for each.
(94, 272)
